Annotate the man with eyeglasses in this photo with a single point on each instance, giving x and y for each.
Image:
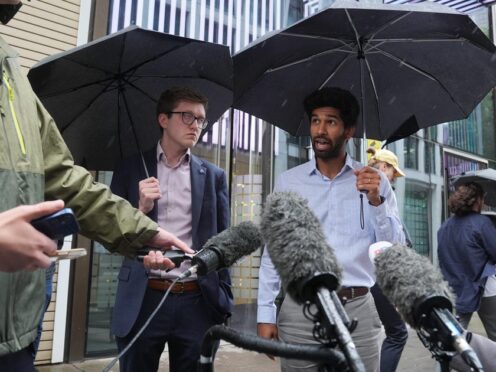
(189, 196)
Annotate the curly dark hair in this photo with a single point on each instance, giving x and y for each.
(337, 98)
(463, 199)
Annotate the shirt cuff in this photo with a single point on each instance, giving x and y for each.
(266, 314)
(382, 198)
(379, 211)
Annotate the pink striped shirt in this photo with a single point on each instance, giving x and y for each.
(174, 207)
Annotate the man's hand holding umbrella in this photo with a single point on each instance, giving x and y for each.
(149, 191)
(369, 181)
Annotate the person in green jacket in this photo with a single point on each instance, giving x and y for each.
(36, 165)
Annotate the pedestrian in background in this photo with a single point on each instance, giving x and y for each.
(467, 256)
(395, 328)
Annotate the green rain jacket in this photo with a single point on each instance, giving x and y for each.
(35, 165)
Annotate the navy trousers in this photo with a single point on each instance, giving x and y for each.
(20, 361)
(181, 323)
(396, 331)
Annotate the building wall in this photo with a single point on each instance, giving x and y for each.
(42, 28)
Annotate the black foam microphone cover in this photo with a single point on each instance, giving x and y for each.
(224, 249)
(411, 282)
(298, 247)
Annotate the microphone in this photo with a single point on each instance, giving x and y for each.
(224, 249)
(424, 300)
(307, 266)
(297, 247)
(175, 255)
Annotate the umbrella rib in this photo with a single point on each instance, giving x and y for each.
(424, 40)
(342, 41)
(423, 73)
(133, 69)
(379, 42)
(399, 18)
(329, 51)
(73, 89)
(141, 90)
(156, 57)
(343, 61)
(388, 24)
(113, 77)
(140, 76)
(172, 77)
(357, 35)
(376, 95)
(121, 52)
(62, 130)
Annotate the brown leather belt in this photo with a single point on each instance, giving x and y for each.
(352, 292)
(179, 287)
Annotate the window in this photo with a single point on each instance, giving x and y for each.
(416, 217)
(429, 158)
(411, 145)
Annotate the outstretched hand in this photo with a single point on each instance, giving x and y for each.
(22, 247)
(164, 240)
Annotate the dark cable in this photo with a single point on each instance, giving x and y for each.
(113, 361)
(362, 217)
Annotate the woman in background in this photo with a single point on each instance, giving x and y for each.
(467, 256)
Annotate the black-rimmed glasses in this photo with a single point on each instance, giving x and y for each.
(188, 119)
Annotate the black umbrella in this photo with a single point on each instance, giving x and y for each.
(407, 128)
(484, 177)
(427, 62)
(103, 95)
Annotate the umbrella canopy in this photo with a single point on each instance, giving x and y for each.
(424, 61)
(407, 128)
(484, 177)
(103, 95)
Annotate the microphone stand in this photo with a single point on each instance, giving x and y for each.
(332, 324)
(331, 358)
(332, 311)
(440, 332)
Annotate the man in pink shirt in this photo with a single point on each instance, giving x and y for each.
(189, 196)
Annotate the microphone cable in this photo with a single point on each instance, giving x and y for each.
(113, 361)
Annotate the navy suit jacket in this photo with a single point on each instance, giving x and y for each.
(210, 216)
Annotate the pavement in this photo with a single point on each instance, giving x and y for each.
(229, 358)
